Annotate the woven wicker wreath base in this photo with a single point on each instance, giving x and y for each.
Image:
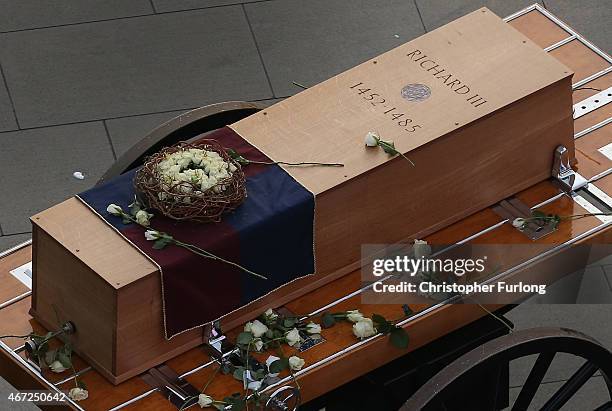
(179, 201)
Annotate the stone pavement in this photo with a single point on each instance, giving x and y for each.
(83, 80)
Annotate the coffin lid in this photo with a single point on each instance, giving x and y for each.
(328, 122)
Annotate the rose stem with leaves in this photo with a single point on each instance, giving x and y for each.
(194, 249)
(245, 161)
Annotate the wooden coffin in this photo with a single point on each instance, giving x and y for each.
(475, 105)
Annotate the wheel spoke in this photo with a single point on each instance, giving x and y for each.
(572, 385)
(536, 375)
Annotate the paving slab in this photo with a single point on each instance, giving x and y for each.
(7, 117)
(6, 404)
(173, 5)
(8, 241)
(436, 13)
(132, 66)
(38, 165)
(127, 131)
(589, 17)
(310, 41)
(28, 14)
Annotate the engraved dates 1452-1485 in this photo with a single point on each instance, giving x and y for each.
(378, 101)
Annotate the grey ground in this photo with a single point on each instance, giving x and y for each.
(82, 80)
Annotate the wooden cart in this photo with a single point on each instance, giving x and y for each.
(451, 345)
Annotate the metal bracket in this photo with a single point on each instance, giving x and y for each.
(562, 171)
(216, 343)
(287, 398)
(592, 103)
(171, 386)
(514, 208)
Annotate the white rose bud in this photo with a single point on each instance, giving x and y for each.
(312, 328)
(114, 209)
(271, 314)
(78, 394)
(258, 345)
(151, 235)
(296, 363)
(421, 249)
(57, 366)
(354, 316)
(293, 337)
(142, 218)
(258, 328)
(364, 328)
(371, 139)
(247, 327)
(205, 400)
(518, 222)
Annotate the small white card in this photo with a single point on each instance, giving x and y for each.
(24, 274)
(606, 150)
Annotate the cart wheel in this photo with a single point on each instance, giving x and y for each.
(459, 380)
(182, 128)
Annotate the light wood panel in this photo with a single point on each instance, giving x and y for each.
(579, 58)
(10, 287)
(539, 28)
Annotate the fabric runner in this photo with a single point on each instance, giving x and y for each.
(271, 233)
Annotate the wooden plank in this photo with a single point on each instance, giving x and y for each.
(580, 59)
(94, 243)
(539, 28)
(592, 162)
(10, 287)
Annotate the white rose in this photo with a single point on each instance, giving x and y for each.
(364, 328)
(257, 328)
(312, 328)
(354, 316)
(57, 366)
(258, 345)
(296, 363)
(142, 217)
(205, 400)
(421, 249)
(151, 235)
(78, 394)
(371, 139)
(293, 337)
(271, 314)
(114, 209)
(518, 222)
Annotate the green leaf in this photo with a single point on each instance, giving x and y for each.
(327, 320)
(289, 322)
(81, 384)
(50, 356)
(237, 157)
(399, 337)
(407, 310)
(269, 334)
(278, 366)
(160, 243)
(388, 147)
(64, 359)
(125, 220)
(381, 324)
(244, 338)
(219, 406)
(239, 373)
